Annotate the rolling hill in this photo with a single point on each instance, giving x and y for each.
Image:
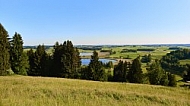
(38, 91)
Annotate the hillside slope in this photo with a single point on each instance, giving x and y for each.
(32, 91)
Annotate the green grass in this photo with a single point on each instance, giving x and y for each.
(39, 91)
(157, 54)
(184, 62)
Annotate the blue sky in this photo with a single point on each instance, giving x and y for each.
(97, 21)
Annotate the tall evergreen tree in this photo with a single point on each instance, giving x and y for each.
(155, 73)
(85, 73)
(31, 57)
(18, 59)
(135, 72)
(66, 60)
(121, 71)
(72, 66)
(95, 68)
(4, 48)
(57, 62)
(24, 67)
(38, 61)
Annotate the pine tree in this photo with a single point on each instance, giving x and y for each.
(95, 69)
(66, 60)
(72, 54)
(4, 48)
(19, 61)
(155, 73)
(121, 71)
(57, 62)
(135, 72)
(24, 64)
(38, 61)
(85, 73)
(76, 61)
(30, 55)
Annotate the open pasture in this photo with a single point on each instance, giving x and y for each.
(44, 91)
(156, 54)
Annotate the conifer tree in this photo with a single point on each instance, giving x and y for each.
(155, 73)
(30, 55)
(72, 60)
(95, 68)
(24, 64)
(121, 71)
(57, 62)
(66, 60)
(4, 51)
(135, 72)
(18, 59)
(38, 61)
(85, 73)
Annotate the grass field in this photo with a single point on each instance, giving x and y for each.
(39, 91)
(184, 62)
(157, 54)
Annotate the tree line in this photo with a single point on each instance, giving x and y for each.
(171, 63)
(65, 62)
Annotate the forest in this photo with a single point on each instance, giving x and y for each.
(65, 62)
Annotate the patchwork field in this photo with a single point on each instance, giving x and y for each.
(157, 54)
(39, 91)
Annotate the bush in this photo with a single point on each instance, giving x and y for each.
(10, 72)
(164, 80)
(172, 80)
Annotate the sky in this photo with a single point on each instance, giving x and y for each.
(98, 22)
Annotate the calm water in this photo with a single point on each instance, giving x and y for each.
(87, 61)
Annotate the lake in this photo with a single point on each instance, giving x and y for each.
(87, 61)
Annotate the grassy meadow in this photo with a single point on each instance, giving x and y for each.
(44, 91)
(184, 62)
(157, 54)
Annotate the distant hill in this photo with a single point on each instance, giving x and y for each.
(99, 47)
(34, 47)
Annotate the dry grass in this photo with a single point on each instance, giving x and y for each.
(38, 91)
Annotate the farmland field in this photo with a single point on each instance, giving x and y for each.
(157, 54)
(184, 62)
(40, 91)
